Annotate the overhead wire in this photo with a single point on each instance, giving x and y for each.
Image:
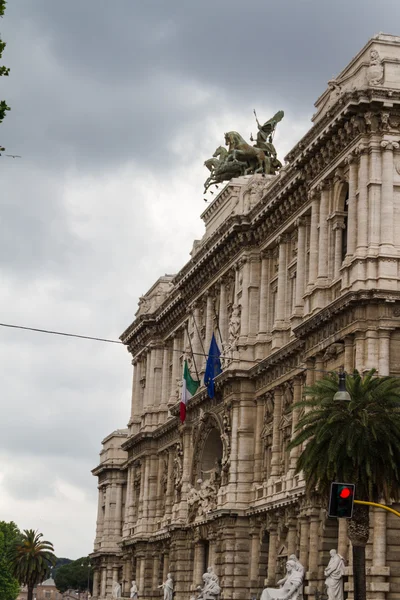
(181, 351)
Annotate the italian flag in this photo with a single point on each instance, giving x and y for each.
(189, 388)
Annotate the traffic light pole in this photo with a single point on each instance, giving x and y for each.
(395, 512)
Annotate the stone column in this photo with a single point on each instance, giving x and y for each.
(258, 452)
(223, 311)
(198, 563)
(352, 209)
(276, 447)
(244, 301)
(196, 344)
(142, 565)
(304, 540)
(272, 552)
(95, 583)
(147, 386)
(294, 452)
(314, 545)
(169, 500)
(314, 234)
(255, 555)
(264, 292)
(374, 196)
(234, 445)
(176, 349)
(103, 582)
(384, 352)
(160, 491)
(157, 376)
(118, 510)
(359, 339)
(128, 575)
(292, 535)
(387, 204)
(156, 570)
(166, 566)
(323, 245)
(165, 378)
(343, 542)
(338, 227)
(362, 208)
(135, 391)
(301, 264)
(106, 526)
(100, 519)
(210, 319)
(348, 354)
(379, 549)
(281, 312)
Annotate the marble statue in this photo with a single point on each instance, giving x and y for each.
(211, 588)
(299, 567)
(168, 587)
(334, 576)
(292, 586)
(134, 590)
(116, 590)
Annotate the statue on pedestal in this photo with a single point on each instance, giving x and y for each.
(116, 590)
(292, 586)
(334, 576)
(134, 590)
(300, 569)
(168, 587)
(210, 589)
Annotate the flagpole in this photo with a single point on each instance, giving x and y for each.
(218, 329)
(199, 336)
(191, 349)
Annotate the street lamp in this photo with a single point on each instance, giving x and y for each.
(88, 577)
(342, 393)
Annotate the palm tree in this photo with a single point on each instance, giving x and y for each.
(31, 559)
(356, 441)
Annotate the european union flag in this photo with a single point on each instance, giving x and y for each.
(213, 367)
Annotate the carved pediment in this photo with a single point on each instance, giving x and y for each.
(152, 300)
(376, 65)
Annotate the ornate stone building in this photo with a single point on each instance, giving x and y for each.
(299, 274)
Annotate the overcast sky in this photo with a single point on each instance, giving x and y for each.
(115, 106)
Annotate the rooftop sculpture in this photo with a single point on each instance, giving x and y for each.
(242, 158)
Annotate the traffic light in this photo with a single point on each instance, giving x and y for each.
(341, 500)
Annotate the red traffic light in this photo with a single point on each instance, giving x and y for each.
(345, 492)
(341, 500)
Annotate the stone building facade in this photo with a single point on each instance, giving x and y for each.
(297, 274)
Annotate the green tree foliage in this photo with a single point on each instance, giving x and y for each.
(3, 70)
(60, 563)
(9, 586)
(352, 442)
(31, 558)
(74, 576)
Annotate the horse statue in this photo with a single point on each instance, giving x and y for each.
(238, 148)
(222, 168)
(217, 159)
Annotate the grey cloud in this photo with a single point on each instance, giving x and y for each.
(104, 85)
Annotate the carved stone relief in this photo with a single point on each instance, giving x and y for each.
(375, 71)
